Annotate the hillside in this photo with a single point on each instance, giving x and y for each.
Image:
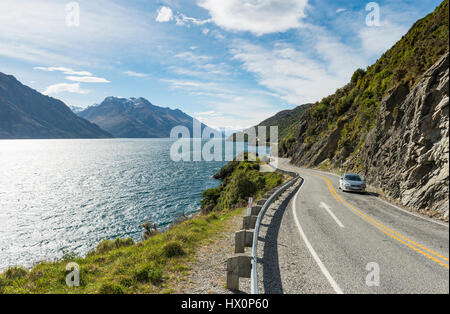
(287, 127)
(27, 114)
(390, 122)
(136, 118)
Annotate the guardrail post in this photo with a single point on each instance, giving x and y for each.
(255, 210)
(238, 266)
(249, 222)
(243, 238)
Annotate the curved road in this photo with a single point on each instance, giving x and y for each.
(336, 242)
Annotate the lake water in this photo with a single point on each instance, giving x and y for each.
(65, 196)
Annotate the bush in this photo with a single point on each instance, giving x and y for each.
(109, 245)
(14, 273)
(111, 288)
(210, 196)
(173, 249)
(150, 230)
(359, 74)
(155, 275)
(148, 273)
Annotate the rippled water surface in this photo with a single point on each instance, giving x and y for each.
(64, 196)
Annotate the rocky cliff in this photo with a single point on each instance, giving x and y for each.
(407, 153)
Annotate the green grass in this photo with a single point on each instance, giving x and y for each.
(120, 266)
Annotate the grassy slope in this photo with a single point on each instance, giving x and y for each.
(354, 107)
(151, 266)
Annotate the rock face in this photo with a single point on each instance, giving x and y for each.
(27, 114)
(407, 153)
(310, 155)
(136, 118)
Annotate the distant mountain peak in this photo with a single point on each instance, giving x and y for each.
(136, 118)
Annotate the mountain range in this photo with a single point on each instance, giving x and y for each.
(27, 114)
(136, 118)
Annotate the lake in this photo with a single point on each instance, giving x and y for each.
(65, 196)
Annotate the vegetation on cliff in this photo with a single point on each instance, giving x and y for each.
(241, 180)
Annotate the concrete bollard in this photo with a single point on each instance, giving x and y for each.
(242, 239)
(255, 210)
(238, 266)
(249, 222)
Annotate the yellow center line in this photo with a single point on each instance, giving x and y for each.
(387, 230)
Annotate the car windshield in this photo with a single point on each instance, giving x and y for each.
(353, 177)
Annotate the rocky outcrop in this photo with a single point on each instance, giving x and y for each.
(311, 155)
(407, 153)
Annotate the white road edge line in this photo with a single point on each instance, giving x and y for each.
(328, 209)
(322, 267)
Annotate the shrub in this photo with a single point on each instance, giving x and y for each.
(155, 275)
(173, 249)
(149, 274)
(109, 245)
(111, 288)
(210, 196)
(359, 74)
(150, 230)
(14, 273)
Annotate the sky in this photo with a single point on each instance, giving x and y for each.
(229, 63)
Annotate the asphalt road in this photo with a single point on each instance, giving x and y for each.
(330, 241)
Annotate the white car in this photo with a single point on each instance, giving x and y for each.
(350, 182)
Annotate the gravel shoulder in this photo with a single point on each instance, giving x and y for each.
(206, 272)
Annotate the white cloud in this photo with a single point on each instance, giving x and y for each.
(186, 20)
(376, 40)
(135, 74)
(165, 14)
(256, 16)
(87, 79)
(340, 10)
(192, 57)
(238, 113)
(294, 75)
(36, 31)
(64, 70)
(208, 114)
(195, 86)
(65, 87)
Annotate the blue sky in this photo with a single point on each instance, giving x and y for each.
(228, 63)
